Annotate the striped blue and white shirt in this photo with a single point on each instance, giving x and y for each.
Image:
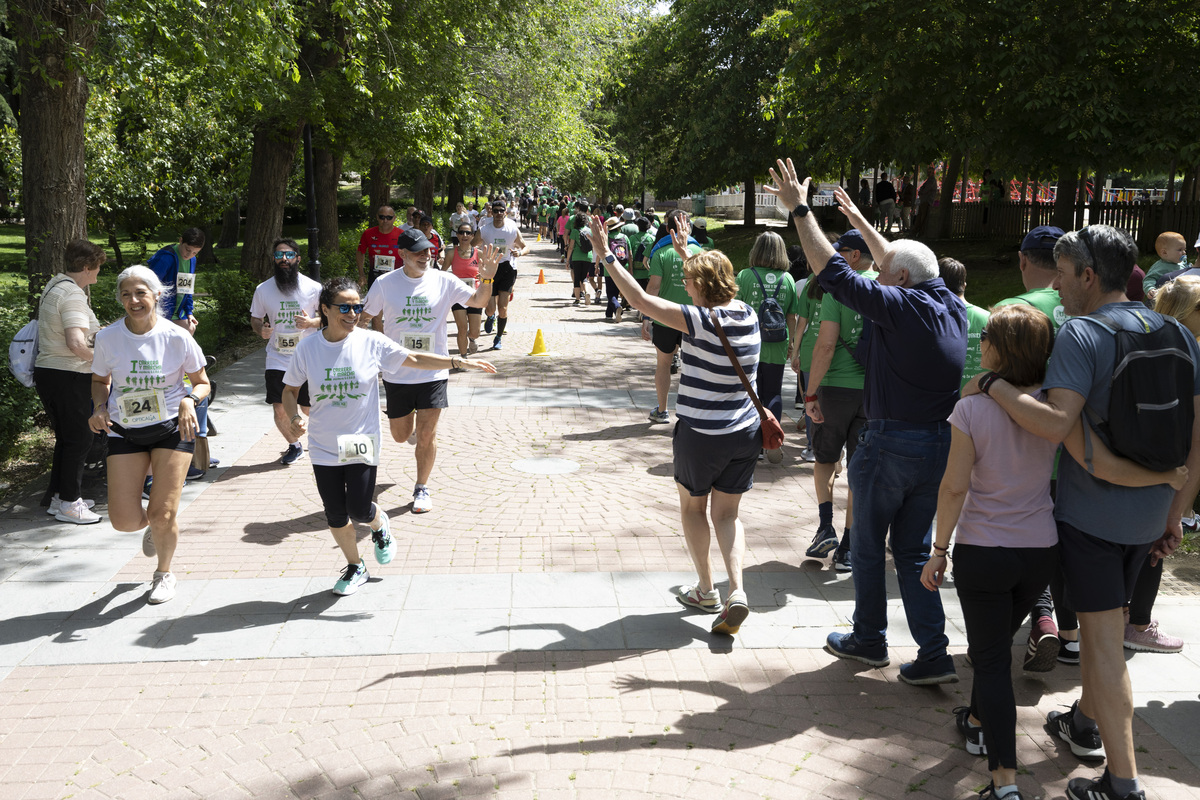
(711, 397)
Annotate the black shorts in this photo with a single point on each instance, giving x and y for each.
(721, 461)
(274, 379)
(120, 446)
(468, 309)
(664, 338)
(505, 279)
(346, 491)
(404, 398)
(844, 418)
(1099, 575)
(581, 271)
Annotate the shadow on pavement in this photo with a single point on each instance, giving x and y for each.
(240, 616)
(66, 628)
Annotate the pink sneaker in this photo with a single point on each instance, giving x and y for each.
(1151, 640)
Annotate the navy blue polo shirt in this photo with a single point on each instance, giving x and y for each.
(913, 345)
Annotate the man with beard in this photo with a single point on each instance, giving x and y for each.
(284, 310)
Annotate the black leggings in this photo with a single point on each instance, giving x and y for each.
(346, 492)
(67, 398)
(996, 588)
(1145, 592)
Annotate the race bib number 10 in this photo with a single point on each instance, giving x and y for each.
(141, 407)
(357, 448)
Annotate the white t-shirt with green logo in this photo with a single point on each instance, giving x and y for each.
(147, 371)
(343, 384)
(281, 309)
(414, 315)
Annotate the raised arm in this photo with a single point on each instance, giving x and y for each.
(875, 240)
(668, 314)
(792, 192)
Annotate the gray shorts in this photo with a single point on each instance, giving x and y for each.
(721, 461)
(844, 418)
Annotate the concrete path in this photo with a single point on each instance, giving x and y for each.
(525, 642)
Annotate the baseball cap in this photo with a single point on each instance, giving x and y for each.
(413, 241)
(702, 224)
(1043, 237)
(851, 240)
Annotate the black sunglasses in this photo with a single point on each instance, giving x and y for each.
(346, 308)
(387, 216)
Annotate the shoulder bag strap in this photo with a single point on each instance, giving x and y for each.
(762, 412)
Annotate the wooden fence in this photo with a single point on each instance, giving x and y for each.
(1011, 221)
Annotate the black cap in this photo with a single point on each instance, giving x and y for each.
(414, 241)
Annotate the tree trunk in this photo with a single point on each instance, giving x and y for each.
(379, 184)
(327, 169)
(455, 189)
(274, 150)
(231, 224)
(423, 191)
(206, 254)
(52, 39)
(1063, 215)
(966, 169)
(1097, 197)
(748, 218)
(941, 221)
(115, 244)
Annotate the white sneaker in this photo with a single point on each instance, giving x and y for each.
(162, 588)
(422, 501)
(56, 504)
(76, 512)
(148, 543)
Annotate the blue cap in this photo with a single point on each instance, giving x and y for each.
(851, 240)
(1043, 237)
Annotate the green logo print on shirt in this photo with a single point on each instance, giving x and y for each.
(340, 385)
(417, 311)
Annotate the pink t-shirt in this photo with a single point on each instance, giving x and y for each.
(1008, 503)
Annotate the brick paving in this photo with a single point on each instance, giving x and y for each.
(677, 715)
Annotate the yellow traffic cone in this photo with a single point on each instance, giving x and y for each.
(541, 277)
(539, 236)
(539, 346)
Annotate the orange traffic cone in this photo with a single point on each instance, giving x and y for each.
(541, 277)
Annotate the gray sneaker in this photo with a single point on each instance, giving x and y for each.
(823, 542)
(659, 416)
(148, 543)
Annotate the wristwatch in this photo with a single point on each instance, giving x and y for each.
(610, 258)
(800, 210)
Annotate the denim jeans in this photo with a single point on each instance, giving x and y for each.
(895, 474)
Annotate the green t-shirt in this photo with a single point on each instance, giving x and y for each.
(1046, 301)
(810, 310)
(667, 265)
(577, 253)
(976, 318)
(844, 372)
(644, 241)
(750, 294)
(1159, 269)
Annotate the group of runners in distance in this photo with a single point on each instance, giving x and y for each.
(935, 406)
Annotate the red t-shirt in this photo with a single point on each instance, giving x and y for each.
(381, 250)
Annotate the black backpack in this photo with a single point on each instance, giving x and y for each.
(1150, 410)
(772, 322)
(585, 243)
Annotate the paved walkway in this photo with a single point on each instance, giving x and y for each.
(524, 642)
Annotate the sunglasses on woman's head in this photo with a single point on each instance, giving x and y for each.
(346, 308)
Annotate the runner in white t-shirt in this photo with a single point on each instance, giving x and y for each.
(503, 234)
(284, 311)
(149, 415)
(414, 303)
(342, 364)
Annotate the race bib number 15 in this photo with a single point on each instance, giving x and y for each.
(418, 342)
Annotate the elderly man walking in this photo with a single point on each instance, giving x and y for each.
(913, 345)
